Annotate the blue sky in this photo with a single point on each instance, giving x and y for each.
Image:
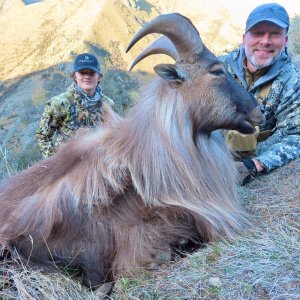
(31, 1)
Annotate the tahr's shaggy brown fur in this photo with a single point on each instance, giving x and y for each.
(115, 199)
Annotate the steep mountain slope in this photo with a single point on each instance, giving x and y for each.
(40, 35)
(34, 37)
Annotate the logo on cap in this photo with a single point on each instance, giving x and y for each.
(86, 61)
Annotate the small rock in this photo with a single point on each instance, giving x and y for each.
(215, 281)
(102, 292)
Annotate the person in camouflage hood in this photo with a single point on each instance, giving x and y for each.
(81, 105)
(263, 66)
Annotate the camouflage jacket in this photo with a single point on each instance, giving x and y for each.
(58, 124)
(281, 107)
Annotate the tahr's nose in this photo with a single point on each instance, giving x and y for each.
(256, 116)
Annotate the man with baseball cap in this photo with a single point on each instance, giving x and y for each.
(82, 105)
(263, 66)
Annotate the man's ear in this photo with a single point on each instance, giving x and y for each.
(286, 40)
(171, 73)
(244, 39)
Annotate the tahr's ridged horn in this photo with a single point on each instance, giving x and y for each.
(160, 46)
(178, 29)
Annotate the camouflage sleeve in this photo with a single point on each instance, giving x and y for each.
(54, 115)
(287, 146)
(45, 131)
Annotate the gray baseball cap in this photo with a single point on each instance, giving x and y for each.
(86, 61)
(270, 12)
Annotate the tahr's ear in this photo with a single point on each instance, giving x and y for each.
(171, 73)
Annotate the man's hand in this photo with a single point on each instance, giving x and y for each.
(258, 165)
(247, 170)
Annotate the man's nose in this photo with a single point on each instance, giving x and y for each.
(266, 38)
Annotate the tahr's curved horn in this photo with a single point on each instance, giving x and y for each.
(178, 29)
(160, 46)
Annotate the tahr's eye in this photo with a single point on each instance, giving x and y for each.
(218, 72)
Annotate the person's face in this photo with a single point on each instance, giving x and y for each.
(88, 80)
(263, 43)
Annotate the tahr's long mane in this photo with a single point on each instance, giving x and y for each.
(171, 163)
(156, 151)
(159, 153)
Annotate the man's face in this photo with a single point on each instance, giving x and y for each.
(263, 43)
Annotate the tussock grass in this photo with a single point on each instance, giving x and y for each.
(7, 168)
(255, 266)
(19, 282)
(262, 263)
